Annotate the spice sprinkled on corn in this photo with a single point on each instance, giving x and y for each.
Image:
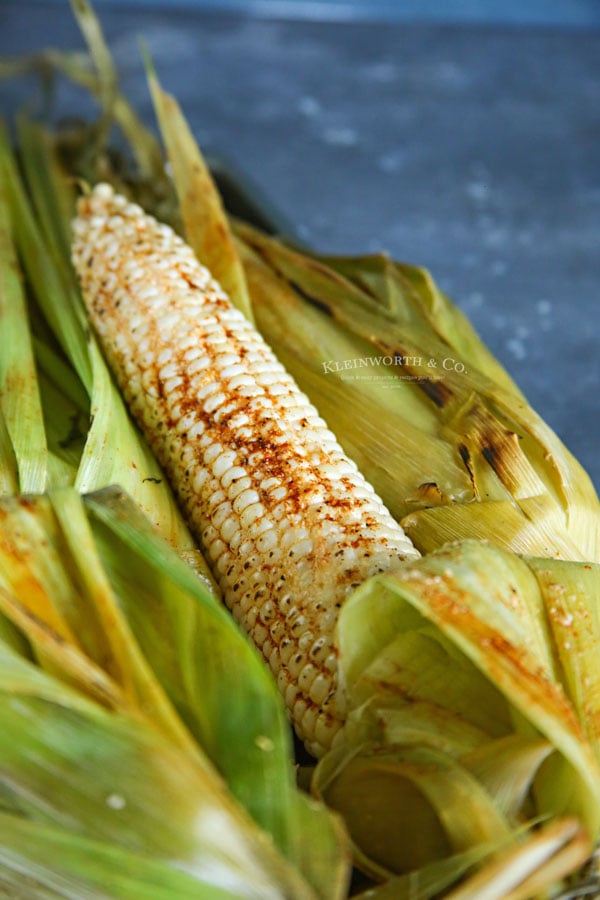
(287, 523)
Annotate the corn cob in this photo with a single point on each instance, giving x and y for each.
(287, 522)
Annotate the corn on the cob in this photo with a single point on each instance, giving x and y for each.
(286, 520)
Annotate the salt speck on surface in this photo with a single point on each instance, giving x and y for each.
(516, 346)
(390, 162)
(340, 137)
(544, 307)
(309, 106)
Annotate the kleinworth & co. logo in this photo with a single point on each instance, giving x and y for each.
(390, 368)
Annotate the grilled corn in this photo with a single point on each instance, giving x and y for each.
(287, 522)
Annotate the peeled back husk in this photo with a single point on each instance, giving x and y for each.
(463, 733)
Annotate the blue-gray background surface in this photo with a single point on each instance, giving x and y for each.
(545, 12)
(468, 142)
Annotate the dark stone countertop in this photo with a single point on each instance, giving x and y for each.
(474, 151)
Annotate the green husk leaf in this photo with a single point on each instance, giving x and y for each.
(109, 639)
(137, 775)
(65, 427)
(48, 204)
(206, 666)
(25, 602)
(492, 520)
(39, 862)
(9, 472)
(507, 768)
(549, 854)
(90, 155)
(57, 301)
(60, 374)
(102, 58)
(13, 638)
(111, 610)
(20, 405)
(205, 222)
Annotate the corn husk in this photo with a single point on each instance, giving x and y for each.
(60, 864)
(461, 719)
(152, 703)
(22, 433)
(202, 211)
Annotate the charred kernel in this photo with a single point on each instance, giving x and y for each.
(309, 718)
(221, 513)
(330, 662)
(198, 364)
(215, 501)
(320, 649)
(245, 548)
(289, 689)
(223, 563)
(244, 499)
(257, 528)
(214, 402)
(295, 664)
(287, 648)
(196, 430)
(325, 732)
(302, 548)
(217, 548)
(237, 489)
(274, 660)
(267, 541)
(306, 641)
(299, 626)
(301, 704)
(233, 476)
(285, 602)
(320, 688)
(211, 453)
(306, 677)
(224, 462)
(229, 527)
(277, 632)
(267, 612)
(259, 635)
(251, 514)
(246, 603)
